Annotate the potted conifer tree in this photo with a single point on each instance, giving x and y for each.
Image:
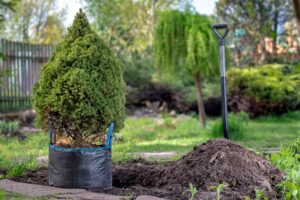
(80, 93)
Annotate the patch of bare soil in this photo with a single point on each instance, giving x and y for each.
(39, 176)
(207, 165)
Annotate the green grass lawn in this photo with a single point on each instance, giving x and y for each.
(157, 134)
(272, 131)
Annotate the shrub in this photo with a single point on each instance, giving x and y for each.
(13, 126)
(7, 128)
(237, 124)
(270, 89)
(138, 71)
(272, 83)
(3, 127)
(81, 88)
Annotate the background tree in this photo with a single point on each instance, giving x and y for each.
(115, 22)
(296, 4)
(259, 19)
(280, 13)
(32, 20)
(184, 42)
(5, 8)
(52, 31)
(130, 35)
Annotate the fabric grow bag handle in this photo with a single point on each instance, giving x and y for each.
(50, 132)
(108, 141)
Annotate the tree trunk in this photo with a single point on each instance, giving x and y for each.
(237, 54)
(263, 55)
(153, 14)
(276, 15)
(296, 4)
(200, 102)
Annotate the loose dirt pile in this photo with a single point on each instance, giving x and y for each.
(222, 161)
(217, 161)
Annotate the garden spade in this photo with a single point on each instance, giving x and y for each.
(221, 31)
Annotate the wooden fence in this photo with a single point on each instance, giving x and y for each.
(23, 63)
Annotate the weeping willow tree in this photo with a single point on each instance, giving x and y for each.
(184, 41)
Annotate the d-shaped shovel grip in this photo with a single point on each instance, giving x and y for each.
(220, 26)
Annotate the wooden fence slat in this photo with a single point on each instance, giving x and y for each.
(30, 68)
(21, 71)
(1, 68)
(25, 62)
(28, 80)
(10, 65)
(14, 86)
(6, 78)
(18, 66)
(10, 80)
(26, 73)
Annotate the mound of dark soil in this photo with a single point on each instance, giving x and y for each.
(217, 161)
(209, 164)
(220, 161)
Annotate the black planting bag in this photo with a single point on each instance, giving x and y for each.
(81, 167)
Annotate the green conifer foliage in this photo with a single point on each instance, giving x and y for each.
(81, 88)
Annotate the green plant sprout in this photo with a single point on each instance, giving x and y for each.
(219, 188)
(192, 191)
(260, 194)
